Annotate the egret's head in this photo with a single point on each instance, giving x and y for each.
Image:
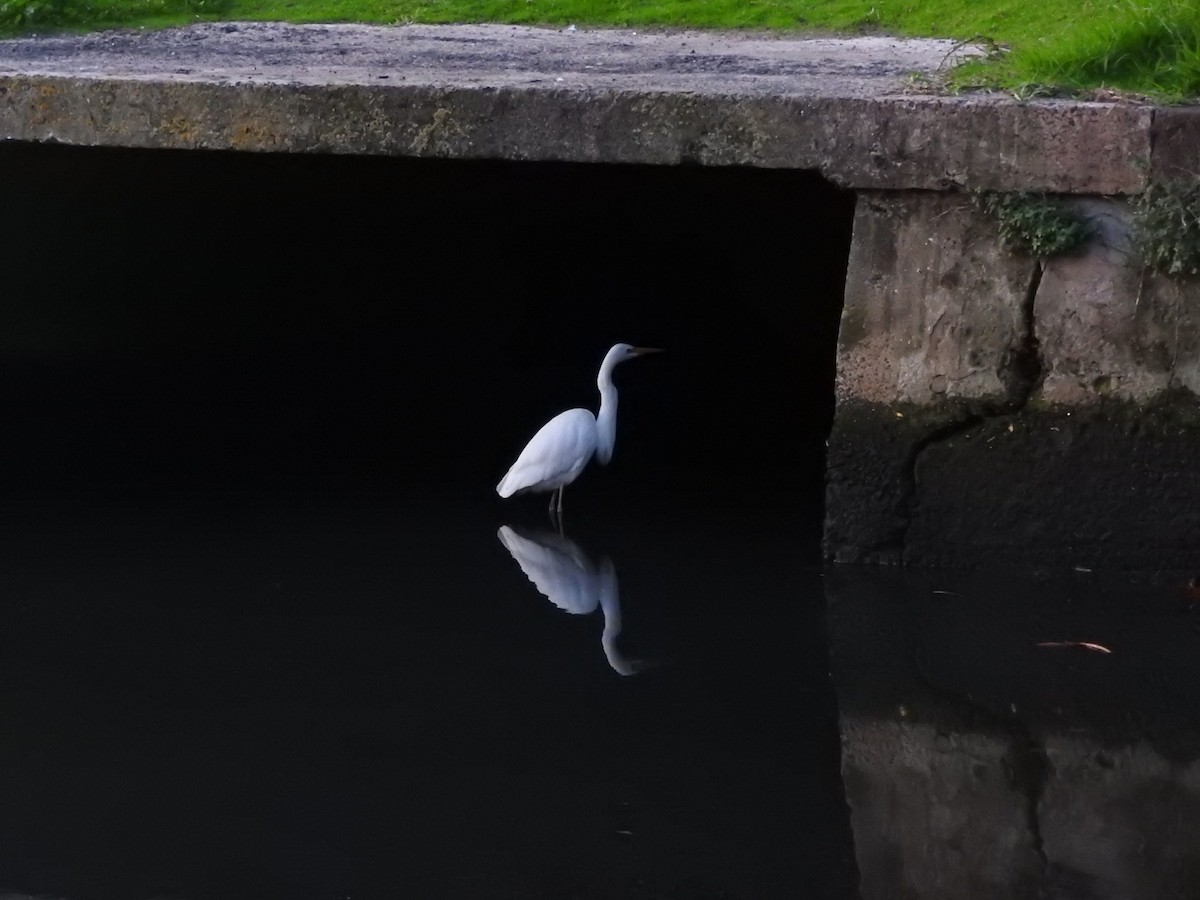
(621, 352)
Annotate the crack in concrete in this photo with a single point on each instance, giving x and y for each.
(1025, 364)
(1028, 773)
(1027, 767)
(908, 496)
(1024, 374)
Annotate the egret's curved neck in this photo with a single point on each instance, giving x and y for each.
(606, 419)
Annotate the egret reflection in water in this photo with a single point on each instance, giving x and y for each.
(563, 573)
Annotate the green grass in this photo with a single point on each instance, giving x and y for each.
(1149, 47)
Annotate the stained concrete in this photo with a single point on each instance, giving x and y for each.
(994, 408)
(1108, 329)
(857, 110)
(932, 312)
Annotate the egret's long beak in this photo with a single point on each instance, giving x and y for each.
(642, 351)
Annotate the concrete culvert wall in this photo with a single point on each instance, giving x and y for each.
(999, 408)
(204, 319)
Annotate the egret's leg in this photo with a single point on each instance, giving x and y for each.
(553, 494)
(558, 517)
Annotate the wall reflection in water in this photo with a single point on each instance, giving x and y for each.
(568, 578)
(1031, 736)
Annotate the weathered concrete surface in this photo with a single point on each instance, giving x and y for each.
(1175, 137)
(1126, 817)
(932, 312)
(1106, 329)
(1115, 485)
(980, 764)
(488, 56)
(937, 813)
(935, 332)
(936, 309)
(993, 408)
(843, 107)
(934, 812)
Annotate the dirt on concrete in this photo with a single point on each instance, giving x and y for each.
(867, 112)
(495, 56)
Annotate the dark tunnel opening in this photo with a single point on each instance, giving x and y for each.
(247, 401)
(198, 320)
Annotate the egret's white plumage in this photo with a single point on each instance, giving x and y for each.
(561, 449)
(568, 578)
(557, 566)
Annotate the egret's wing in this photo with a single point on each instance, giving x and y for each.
(558, 568)
(554, 456)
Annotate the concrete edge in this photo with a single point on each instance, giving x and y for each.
(890, 143)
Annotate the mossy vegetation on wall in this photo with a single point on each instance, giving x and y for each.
(1034, 224)
(1164, 233)
(1166, 227)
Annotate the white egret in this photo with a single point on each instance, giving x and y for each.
(556, 455)
(564, 574)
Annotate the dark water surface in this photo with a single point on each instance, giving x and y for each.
(422, 693)
(356, 695)
(258, 646)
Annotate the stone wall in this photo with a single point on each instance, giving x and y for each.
(995, 408)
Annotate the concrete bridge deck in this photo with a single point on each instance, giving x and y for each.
(493, 56)
(859, 110)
